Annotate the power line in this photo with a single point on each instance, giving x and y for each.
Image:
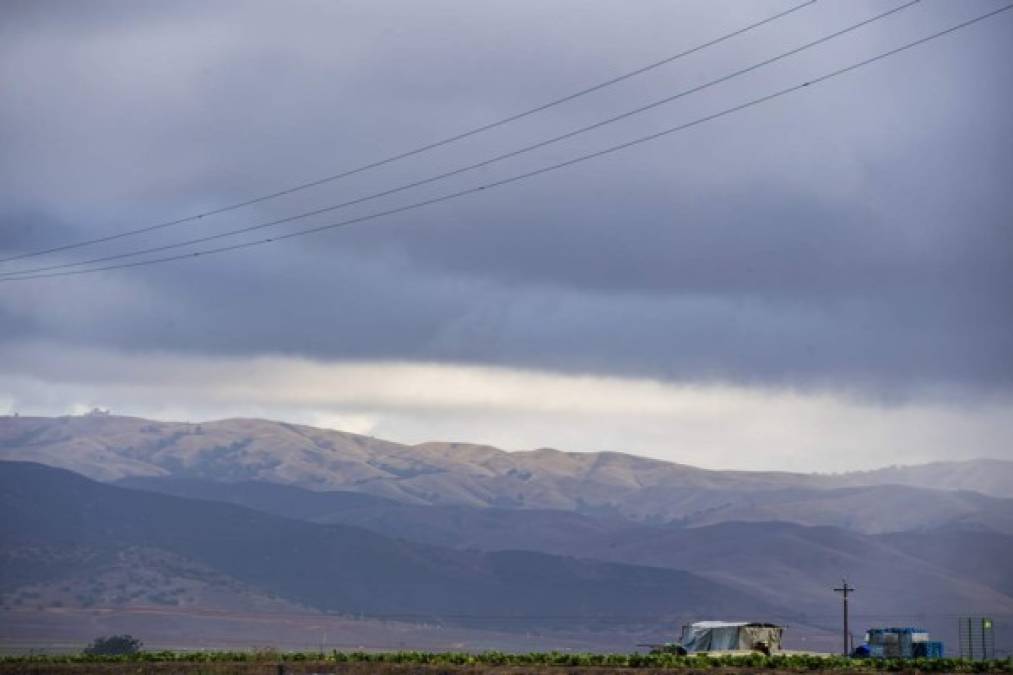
(524, 175)
(421, 149)
(536, 172)
(476, 165)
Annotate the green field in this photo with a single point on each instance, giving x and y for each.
(426, 662)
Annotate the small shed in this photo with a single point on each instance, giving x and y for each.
(712, 636)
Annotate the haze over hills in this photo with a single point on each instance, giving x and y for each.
(112, 447)
(260, 516)
(873, 510)
(71, 543)
(766, 558)
(56, 522)
(80, 559)
(987, 476)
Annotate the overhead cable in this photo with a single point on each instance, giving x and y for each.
(529, 174)
(418, 150)
(468, 167)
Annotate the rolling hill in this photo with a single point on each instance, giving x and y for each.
(242, 516)
(966, 567)
(988, 476)
(110, 448)
(334, 568)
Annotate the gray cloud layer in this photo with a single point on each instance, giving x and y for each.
(855, 235)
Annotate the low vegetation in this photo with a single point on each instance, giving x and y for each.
(114, 645)
(795, 662)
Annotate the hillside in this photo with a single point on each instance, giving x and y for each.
(965, 567)
(111, 448)
(454, 526)
(872, 509)
(335, 568)
(988, 476)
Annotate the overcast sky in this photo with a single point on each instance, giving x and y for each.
(820, 282)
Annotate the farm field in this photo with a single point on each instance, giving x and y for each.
(67, 631)
(488, 662)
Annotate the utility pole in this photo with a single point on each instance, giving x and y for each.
(844, 590)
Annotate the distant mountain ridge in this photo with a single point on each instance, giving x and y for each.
(869, 510)
(777, 560)
(56, 522)
(992, 477)
(317, 521)
(65, 536)
(111, 448)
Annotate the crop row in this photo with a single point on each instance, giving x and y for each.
(795, 662)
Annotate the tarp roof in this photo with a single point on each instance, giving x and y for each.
(705, 636)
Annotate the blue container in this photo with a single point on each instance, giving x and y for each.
(876, 651)
(901, 642)
(932, 649)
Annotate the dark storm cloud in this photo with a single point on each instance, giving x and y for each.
(856, 234)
